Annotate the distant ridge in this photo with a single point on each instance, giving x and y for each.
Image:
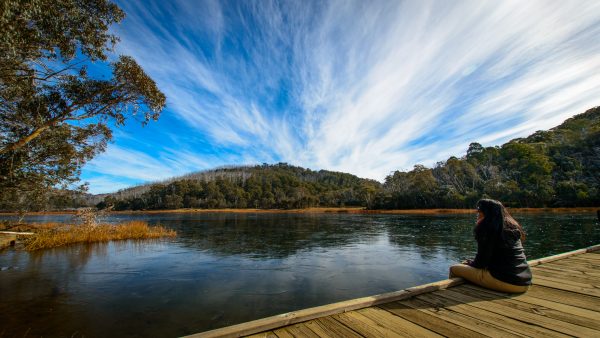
(261, 186)
(202, 175)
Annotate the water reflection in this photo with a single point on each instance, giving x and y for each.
(273, 236)
(228, 268)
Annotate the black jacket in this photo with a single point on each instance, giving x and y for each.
(503, 256)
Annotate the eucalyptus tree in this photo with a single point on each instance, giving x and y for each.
(54, 114)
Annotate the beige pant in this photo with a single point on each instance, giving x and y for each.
(483, 278)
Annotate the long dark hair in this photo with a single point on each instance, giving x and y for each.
(497, 222)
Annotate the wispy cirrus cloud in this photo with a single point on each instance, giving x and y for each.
(362, 87)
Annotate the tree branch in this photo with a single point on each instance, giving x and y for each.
(62, 117)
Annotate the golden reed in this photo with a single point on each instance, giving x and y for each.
(51, 235)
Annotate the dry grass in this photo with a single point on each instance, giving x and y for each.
(354, 210)
(51, 235)
(318, 210)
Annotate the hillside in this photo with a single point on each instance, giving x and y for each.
(263, 186)
(558, 167)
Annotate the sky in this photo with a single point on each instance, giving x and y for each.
(364, 87)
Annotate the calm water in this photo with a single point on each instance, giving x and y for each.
(223, 269)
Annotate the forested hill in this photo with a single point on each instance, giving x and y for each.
(263, 186)
(558, 167)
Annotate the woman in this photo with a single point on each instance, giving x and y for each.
(500, 263)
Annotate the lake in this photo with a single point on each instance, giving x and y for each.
(227, 268)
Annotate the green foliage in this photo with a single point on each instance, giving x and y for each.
(54, 116)
(267, 186)
(559, 167)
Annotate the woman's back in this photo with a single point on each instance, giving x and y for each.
(508, 262)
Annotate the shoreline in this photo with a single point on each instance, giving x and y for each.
(320, 210)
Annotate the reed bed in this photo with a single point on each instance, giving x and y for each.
(52, 235)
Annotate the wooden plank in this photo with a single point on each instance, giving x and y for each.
(579, 258)
(567, 268)
(397, 324)
(269, 334)
(536, 309)
(535, 262)
(560, 278)
(524, 316)
(295, 331)
(283, 333)
(582, 261)
(443, 321)
(475, 314)
(329, 327)
(588, 260)
(289, 318)
(571, 270)
(563, 273)
(590, 255)
(428, 319)
(579, 278)
(570, 266)
(364, 326)
(565, 297)
(575, 264)
(525, 297)
(586, 289)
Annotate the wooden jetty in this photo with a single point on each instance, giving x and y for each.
(564, 300)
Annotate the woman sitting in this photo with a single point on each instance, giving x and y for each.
(500, 263)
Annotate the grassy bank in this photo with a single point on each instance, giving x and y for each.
(355, 210)
(51, 235)
(326, 210)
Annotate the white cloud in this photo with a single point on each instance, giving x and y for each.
(537, 68)
(131, 164)
(362, 87)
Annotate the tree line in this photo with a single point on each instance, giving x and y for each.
(555, 168)
(279, 186)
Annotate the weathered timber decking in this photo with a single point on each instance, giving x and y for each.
(563, 301)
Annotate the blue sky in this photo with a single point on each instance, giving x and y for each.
(365, 87)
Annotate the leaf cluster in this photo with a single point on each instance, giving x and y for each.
(54, 116)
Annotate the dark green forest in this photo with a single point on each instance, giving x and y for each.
(279, 186)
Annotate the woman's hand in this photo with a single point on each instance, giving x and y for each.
(467, 262)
